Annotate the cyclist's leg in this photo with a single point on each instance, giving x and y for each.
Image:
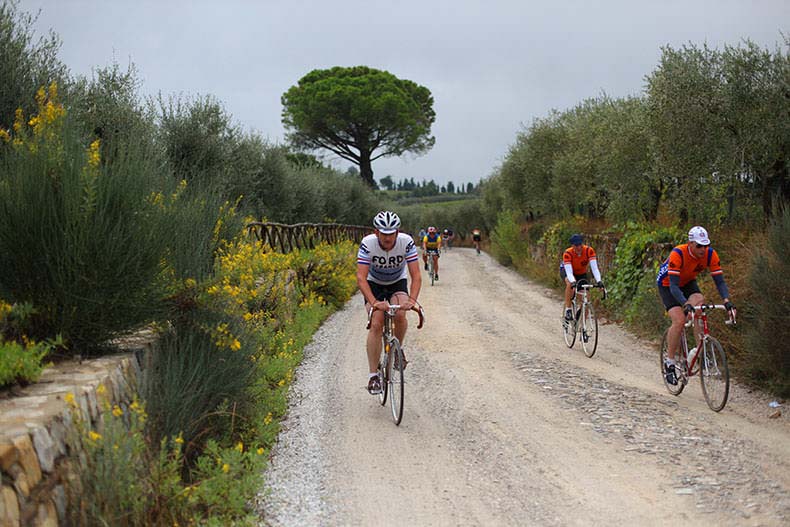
(401, 323)
(436, 263)
(374, 339)
(678, 319)
(696, 299)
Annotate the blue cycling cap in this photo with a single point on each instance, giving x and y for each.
(576, 239)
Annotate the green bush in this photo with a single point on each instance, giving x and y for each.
(767, 335)
(637, 257)
(506, 243)
(21, 363)
(78, 239)
(197, 385)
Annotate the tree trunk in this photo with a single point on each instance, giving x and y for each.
(365, 169)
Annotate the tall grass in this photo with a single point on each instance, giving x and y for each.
(768, 333)
(80, 242)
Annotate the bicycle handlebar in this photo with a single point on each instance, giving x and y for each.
(394, 308)
(710, 307)
(578, 286)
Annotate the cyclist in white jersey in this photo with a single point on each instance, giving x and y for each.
(384, 261)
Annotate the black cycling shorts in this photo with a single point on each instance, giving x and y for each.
(385, 292)
(670, 301)
(576, 276)
(476, 237)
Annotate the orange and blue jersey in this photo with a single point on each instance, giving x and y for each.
(686, 267)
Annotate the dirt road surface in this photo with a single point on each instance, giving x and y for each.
(504, 425)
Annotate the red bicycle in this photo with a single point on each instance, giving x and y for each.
(709, 361)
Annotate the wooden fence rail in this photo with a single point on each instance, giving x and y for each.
(286, 238)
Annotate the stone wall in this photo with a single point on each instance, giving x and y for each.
(35, 432)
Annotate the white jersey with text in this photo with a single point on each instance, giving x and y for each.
(387, 267)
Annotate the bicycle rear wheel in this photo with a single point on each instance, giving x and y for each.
(714, 374)
(569, 329)
(589, 330)
(396, 380)
(675, 389)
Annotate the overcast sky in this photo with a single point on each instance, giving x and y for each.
(492, 66)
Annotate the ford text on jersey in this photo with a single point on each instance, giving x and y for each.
(387, 267)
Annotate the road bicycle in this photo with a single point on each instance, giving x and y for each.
(584, 323)
(431, 269)
(391, 363)
(711, 363)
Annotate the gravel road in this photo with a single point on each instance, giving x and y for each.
(504, 425)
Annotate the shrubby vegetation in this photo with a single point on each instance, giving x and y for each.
(707, 143)
(118, 213)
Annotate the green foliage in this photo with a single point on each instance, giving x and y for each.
(78, 239)
(198, 137)
(767, 332)
(506, 243)
(108, 108)
(21, 363)
(26, 63)
(187, 393)
(720, 127)
(356, 112)
(639, 253)
(125, 479)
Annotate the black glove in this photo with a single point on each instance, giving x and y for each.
(600, 284)
(729, 305)
(688, 308)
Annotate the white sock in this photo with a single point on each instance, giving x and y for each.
(670, 362)
(371, 375)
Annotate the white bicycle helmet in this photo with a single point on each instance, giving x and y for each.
(386, 222)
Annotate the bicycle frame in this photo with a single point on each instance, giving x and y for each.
(710, 360)
(388, 368)
(699, 313)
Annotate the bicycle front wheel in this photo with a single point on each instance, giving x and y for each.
(383, 374)
(569, 329)
(589, 330)
(396, 380)
(714, 374)
(674, 389)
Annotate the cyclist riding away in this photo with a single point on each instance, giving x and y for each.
(476, 239)
(382, 263)
(447, 237)
(431, 244)
(677, 286)
(573, 267)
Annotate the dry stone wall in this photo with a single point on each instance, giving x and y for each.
(37, 435)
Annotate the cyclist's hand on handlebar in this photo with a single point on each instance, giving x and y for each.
(381, 305)
(688, 309)
(730, 309)
(406, 305)
(599, 284)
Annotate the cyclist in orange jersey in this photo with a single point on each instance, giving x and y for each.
(575, 261)
(677, 286)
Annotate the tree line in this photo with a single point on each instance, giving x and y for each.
(708, 141)
(425, 188)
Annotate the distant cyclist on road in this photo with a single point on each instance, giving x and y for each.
(431, 244)
(383, 262)
(447, 237)
(679, 291)
(476, 235)
(575, 261)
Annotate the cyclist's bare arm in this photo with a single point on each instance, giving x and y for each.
(415, 286)
(364, 288)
